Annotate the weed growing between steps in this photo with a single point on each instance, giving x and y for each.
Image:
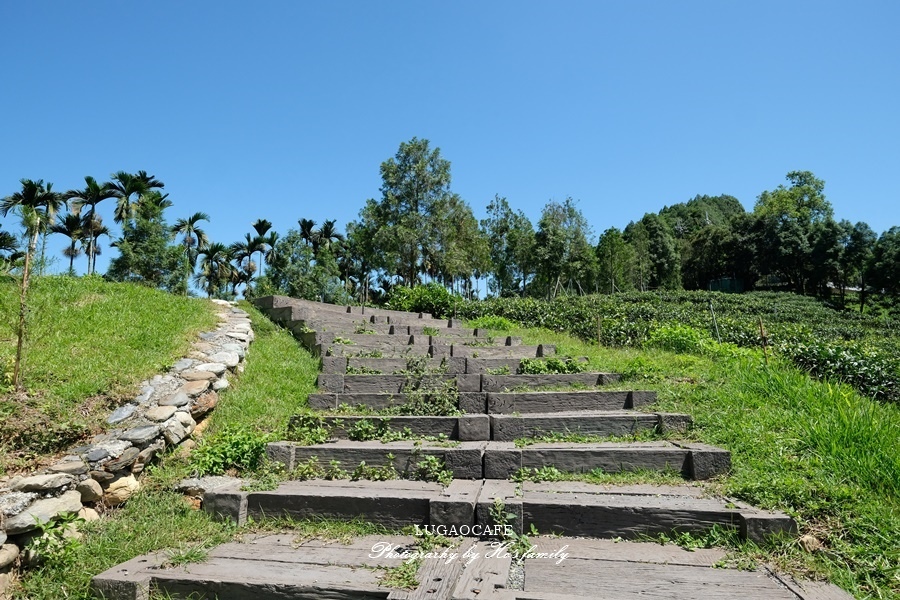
(553, 364)
(314, 428)
(640, 435)
(425, 468)
(599, 476)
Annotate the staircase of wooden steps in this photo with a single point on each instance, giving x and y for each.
(376, 367)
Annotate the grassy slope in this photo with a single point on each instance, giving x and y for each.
(89, 344)
(819, 451)
(278, 376)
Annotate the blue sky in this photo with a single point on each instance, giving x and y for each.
(285, 110)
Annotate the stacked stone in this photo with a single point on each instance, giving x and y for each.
(105, 470)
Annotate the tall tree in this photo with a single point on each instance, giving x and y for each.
(510, 237)
(146, 253)
(858, 258)
(308, 232)
(414, 182)
(564, 255)
(92, 194)
(37, 204)
(215, 270)
(71, 227)
(126, 187)
(884, 270)
(614, 259)
(193, 238)
(328, 235)
(262, 227)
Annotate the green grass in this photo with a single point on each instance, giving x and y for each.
(279, 376)
(817, 450)
(89, 344)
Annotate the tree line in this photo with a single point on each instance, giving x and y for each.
(419, 230)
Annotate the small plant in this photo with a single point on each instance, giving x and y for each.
(362, 370)
(402, 576)
(308, 430)
(553, 365)
(430, 331)
(266, 477)
(504, 370)
(363, 329)
(311, 469)
(339, 340)
(368, 354)
(192, 553)
(382, 473)
(238, 449)
(537, 475)
(334, 471)
(365, 430)
(432, 468)
(480, 343)
(56, 543)
(517, 544)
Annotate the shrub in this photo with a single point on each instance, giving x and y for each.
(430, 298)
(238, 449)
(677, 338)
(492, 322)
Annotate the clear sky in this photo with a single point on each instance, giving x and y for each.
(285, 110)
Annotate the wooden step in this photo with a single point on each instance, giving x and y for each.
(501, 460)
(499, 427)
(278, 566)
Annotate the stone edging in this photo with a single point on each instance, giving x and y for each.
(104, 471)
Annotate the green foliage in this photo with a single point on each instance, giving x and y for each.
(677, 338)
(56, 542)
(362, 370)
(676, 319)
(858, 364)
(553, 364)
(147, 254)
(430, 331)
(233, 448)
(265, 477)
(296, 270)
(308, 429)
(537, 475)
(492, 322)
(375, 473)
(432, 468)
(429, 298)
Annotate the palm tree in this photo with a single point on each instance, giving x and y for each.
(152, 204)
(242, 252)
(215, 268)
(328, 234)
(93, 194)
(272, 247)
(308, 231)
(194, 240)
(38, 205)
(94, 225)
(124, 186)
(70, 226)
(262, 227)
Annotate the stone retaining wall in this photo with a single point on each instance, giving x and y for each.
(105, 470)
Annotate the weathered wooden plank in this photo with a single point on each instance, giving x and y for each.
(609, 579)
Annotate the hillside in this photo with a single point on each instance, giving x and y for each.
(89, 344)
